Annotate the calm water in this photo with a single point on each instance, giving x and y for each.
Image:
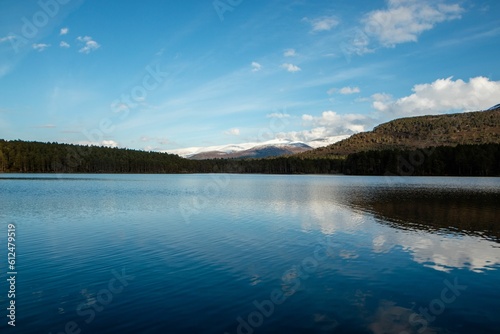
(252, 254)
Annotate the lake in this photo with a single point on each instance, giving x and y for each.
(251, 254)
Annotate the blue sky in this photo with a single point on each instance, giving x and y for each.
(161, 75)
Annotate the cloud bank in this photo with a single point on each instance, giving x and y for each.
(441, 96)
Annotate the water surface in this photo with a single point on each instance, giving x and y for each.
(253, 253)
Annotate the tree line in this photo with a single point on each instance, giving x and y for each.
(461, 160)
(35, 157)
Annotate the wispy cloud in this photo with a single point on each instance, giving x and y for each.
(344, 90)
(471, 36)
(440, 96)
(160, 53)
(278, 115)
(324, 23)
(355, 42)
(331, 91)
(64, 44)
(63, 31)
(90, 44)
(289, 53)
(233, 132)
(40, 47)
(349, 90)
(7, 38)
(46, 126)
(256, 67)
(405, 20)
(291, 67)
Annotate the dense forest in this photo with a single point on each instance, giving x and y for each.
(470, 128)
(462, 160)
(34, 157)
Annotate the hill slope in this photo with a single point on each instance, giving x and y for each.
(479, 127)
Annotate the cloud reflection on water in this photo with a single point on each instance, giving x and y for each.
(443, 230)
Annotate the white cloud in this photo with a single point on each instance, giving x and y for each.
(107, 143)
(90, 44)
(63, 31)
(324, 23)
(256, 67)
(442, 253)
(338, 124)
(290, 53)
(441, 96)
(344, 90)
(305, 135)
(331, 91)
(381, 101)
(63, 44)
(308, 136)
(405, 20)
(7, 38)
(40, 47)
(278, 115)
(291, 67)
(232, 132)
(349, 90)
(355, 42)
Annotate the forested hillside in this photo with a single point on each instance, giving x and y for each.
(480, 127)
(35, 157)
(462, 160)
(458, 144)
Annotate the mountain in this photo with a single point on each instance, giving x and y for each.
(257, 152)
(272, 148)
(479, 127)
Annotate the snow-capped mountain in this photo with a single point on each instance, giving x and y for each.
(275, 147)
(495, 107)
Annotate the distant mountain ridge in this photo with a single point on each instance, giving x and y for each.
(258, 152)
(478, 127)
(271, 148)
